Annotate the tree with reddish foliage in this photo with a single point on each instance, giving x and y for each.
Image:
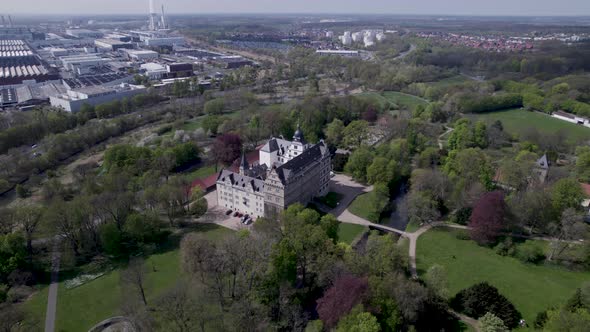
(337, 301)
(227, 148)
(370, 115)
(487, 219)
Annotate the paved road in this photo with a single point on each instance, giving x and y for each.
(53, 287)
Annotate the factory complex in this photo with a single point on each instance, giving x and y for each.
(74, 63)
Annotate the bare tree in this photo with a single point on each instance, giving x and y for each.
(570, 228)
(28, 218)
(134, 276)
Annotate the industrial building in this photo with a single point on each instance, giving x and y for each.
(142, 55)
(84, 33)
(19, 64)
(176, 70)
(83, 64)
(12, 32)
(163, 41)
(231, 61)
(107, 79)
(112, 44)
(154, 71)
(73, 100)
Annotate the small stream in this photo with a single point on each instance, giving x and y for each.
(399, 215)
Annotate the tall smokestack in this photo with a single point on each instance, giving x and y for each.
(10, 20)
(163, 19)
(153, 17)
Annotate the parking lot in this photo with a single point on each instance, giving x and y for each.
(217, 214)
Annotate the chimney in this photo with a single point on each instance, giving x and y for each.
(163, 19)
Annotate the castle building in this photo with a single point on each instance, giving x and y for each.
(288, 172)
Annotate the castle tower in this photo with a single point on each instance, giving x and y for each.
(244, 167)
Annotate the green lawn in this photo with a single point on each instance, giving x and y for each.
(348, 232)
(532, 288)
(517, 120)
(201, 172)
(360, 206)
(404, 99)
(80, 308)
(192, 125)
(401, 99)
(449, 81)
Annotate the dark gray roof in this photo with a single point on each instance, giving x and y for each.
(275, 144)
(241, 181)
(299, 163)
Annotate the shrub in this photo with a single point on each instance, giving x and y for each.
(530, 254)
(462, 215)
(540, 320)
(505, 248)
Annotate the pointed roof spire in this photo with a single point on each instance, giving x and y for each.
(244, 162)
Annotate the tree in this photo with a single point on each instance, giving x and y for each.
(567, 193)
(133, 276)
(198, 203)
(487, 218)
(469, 166)
(583, 166)
(532, 209)
(422, 208)
(357, 164)
(382, 170)
(28, 218)
(346, 292)
(571, 227)
(335, 133)
(482, 298)
(567, 321)
(356, 133)
(378, 201)
(491, 323)
(214, 107)
(358, 321)
(22, 191)
(182, 308)
(227, 148)
(211, 124)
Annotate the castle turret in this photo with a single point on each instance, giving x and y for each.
(244, 167)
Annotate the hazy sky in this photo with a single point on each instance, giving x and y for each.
(441, 7)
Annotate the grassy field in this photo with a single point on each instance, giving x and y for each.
(403, 99)
(80, 308)
(348, 232)
(399, 98)
(360, 206)
(201, 172)
(532, 288)
(517, 120)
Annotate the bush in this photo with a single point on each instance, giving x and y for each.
(18, 294)
(505, 248)
(3, 292)
(540, 320)
(22, 191)
(530, 253)
(482, 298)
(462, 215)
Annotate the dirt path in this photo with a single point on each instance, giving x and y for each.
(53, 287)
